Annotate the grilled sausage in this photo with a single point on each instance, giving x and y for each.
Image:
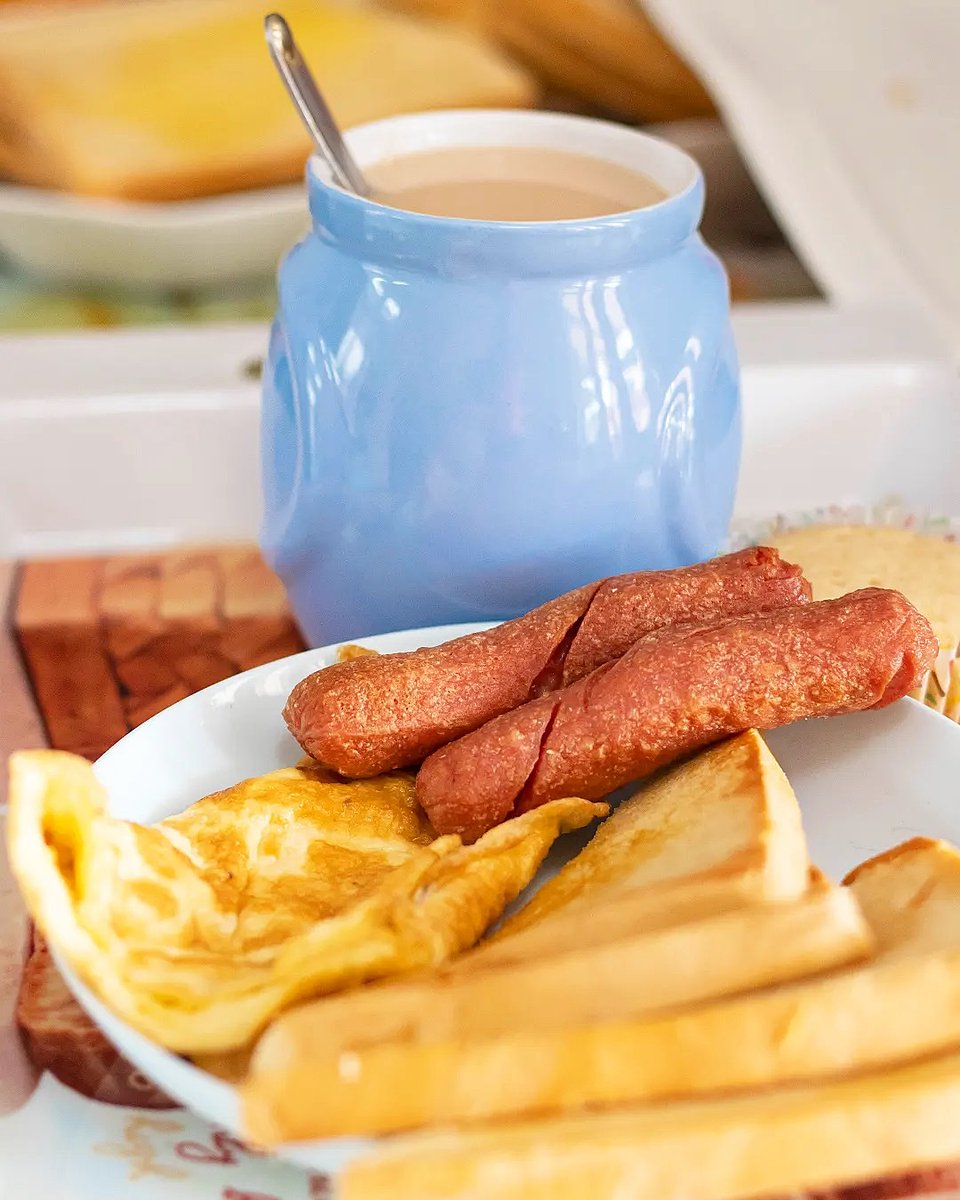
(673, 692)
(376, 713)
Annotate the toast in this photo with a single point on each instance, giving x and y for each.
(650, 972)
(903, 1005)
(718, 832)
(771, 1143)
(166, 100)
(910, 896)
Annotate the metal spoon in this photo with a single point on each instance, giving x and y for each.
(313, 109)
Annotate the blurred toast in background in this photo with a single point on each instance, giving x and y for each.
(165, 100)
(606, 53)
(172, 99)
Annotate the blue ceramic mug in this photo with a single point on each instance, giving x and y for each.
(462, 419)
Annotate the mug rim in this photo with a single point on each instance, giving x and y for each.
(416, 132)
(366, 230)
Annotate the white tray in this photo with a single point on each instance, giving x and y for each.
(145, 439)
(149, 439)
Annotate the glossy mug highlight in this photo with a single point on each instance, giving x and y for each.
(463, 419)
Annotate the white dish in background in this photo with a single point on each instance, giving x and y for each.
(185, 245)
(865, 783)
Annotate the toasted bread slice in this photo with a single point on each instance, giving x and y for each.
(60, 1038)
(771, 1143)
(717, 832)
(170, 99)
(666, 968)
(903, 1005)
(910, 896)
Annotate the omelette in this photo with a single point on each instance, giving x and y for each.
(198, 930)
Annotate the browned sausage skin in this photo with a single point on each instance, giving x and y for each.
(374, 714)
(673, 692)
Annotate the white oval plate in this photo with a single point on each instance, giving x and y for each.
(865, 782)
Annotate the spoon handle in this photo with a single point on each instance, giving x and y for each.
(311, 105)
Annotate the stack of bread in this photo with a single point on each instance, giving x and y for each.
(687, 1008)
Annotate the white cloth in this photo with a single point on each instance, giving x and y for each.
(848, 112)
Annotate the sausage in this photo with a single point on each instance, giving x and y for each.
(376, 713)
(673, 692)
